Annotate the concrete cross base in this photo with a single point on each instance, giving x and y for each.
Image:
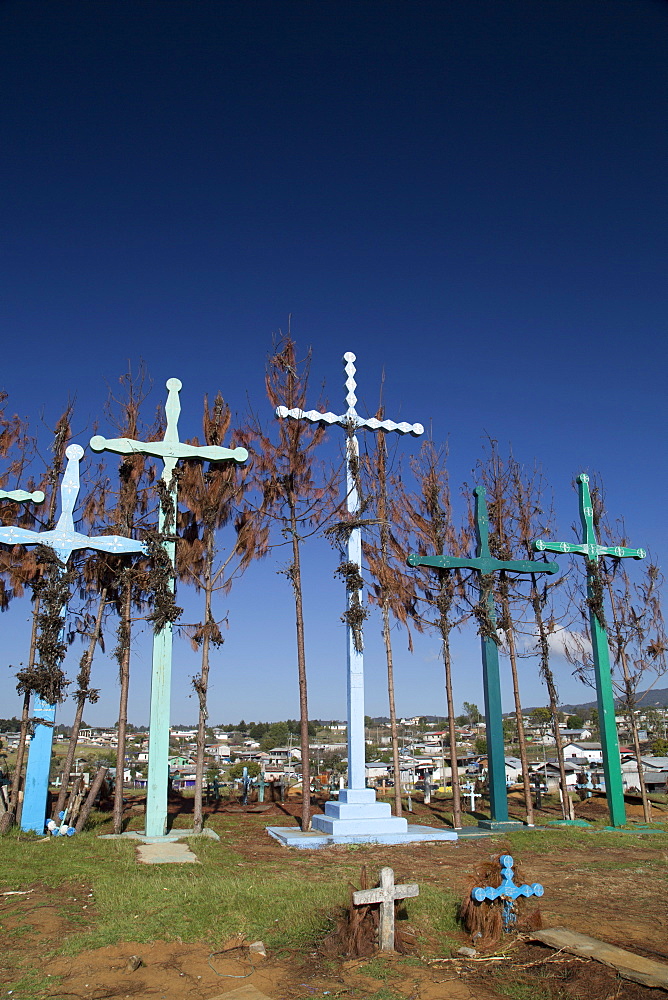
(500, 825)
(357, 812)
(166, 839)
(292, 836)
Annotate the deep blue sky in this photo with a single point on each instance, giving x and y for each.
(470, 195)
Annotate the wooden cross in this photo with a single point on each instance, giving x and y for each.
(351, 422)
(592, 551)
(385, 894)
(64, 540)
(170, 450)
(485, 564)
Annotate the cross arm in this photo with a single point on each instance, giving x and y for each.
(167, 449)
(484, 564)
(114, 544)
(19, 536)
(21, 496)
(442, 562)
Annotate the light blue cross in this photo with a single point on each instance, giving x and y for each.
(170, 450)
(63, 540)
(507, 891)
(351, 422)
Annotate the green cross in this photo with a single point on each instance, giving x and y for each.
(170, 450)
(485, 564)
(590, 548)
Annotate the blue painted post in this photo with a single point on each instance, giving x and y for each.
(63, 540)
(170, 450)
(356, 810)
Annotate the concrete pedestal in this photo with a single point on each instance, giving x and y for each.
(357, 812)
(356, 818)
(500, 826)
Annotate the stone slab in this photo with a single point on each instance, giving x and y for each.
(169, 853)
(630, 966)
(172, 835)
(501, 825)
(242, 993)
(292, 836)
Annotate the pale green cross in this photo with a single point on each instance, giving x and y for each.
(22, 496)
(170, 450)
(591, 549)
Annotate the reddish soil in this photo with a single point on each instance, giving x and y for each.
(608, 893)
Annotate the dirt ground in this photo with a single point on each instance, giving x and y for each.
(589, 894)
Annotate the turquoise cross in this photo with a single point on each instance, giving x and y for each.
(170, 450)
(63, 540)
(21, 496)
(590, 548)
(485, 564)
(351, 421)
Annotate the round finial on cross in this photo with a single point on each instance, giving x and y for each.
(74, 451)
(349, 356)
(174, 383)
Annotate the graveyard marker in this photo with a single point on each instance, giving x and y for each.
(385, 894)
(170, 450)
(356, 794)
(592, 551)
(63, 540)
(484, 565)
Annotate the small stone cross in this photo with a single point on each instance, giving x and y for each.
(385, 894)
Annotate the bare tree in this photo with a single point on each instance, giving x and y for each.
(428, 518)
(496, 476)
(292, 491)
(213, 500)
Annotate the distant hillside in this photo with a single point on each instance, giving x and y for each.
(656, 698)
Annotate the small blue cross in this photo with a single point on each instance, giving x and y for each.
(507, 891)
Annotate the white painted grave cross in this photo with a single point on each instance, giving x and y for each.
(385, 894)
(356, 794)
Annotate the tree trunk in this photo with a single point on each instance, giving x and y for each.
(301, 666)
(124, 632)
(202, 689)
(25, 715)
(90, 800)
(509, 633)
(393, 712)
(454, 769)
(548, 677)
(84, 679)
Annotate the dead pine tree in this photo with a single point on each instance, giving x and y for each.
(496, 476)
(293, 492)
(213, 499)
(123, 506)
(393, 589)
(535, 520)
(429, 526)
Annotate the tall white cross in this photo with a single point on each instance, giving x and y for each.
(352, 422)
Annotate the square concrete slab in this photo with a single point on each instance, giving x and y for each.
(292, 836)
(169, 853)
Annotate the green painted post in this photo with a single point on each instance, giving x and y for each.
(484, 564)
(612, 767)
(170, 450)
